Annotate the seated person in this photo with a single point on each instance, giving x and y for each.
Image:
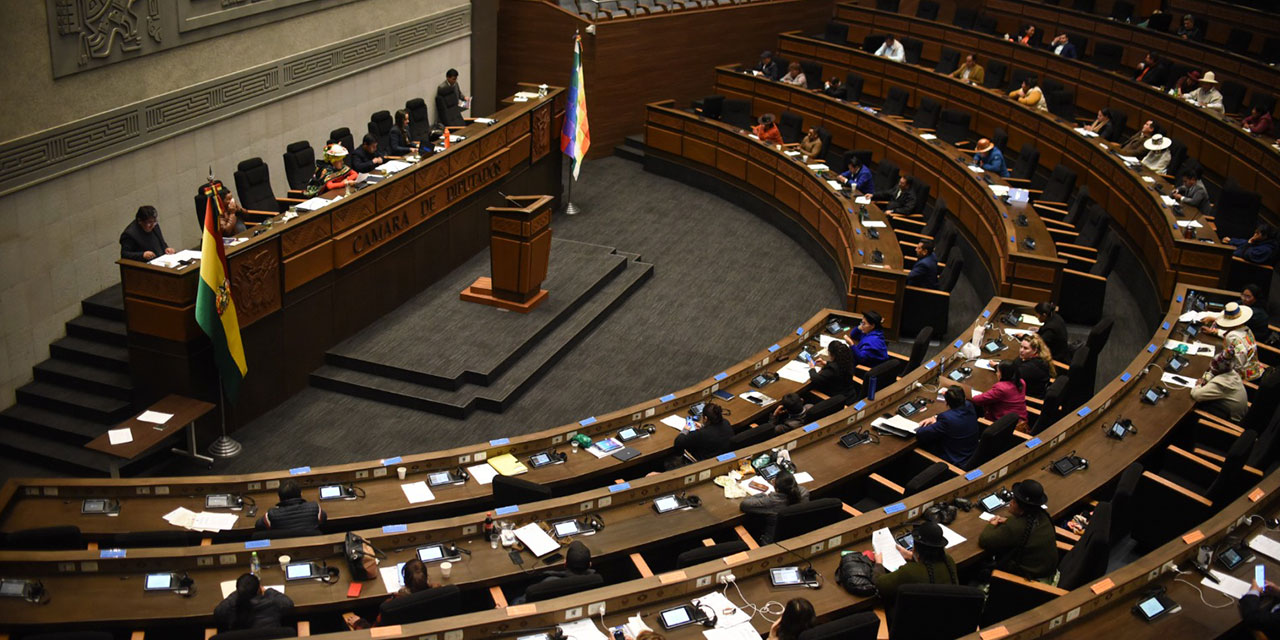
(1008, 395)
(1035, 364)
(1188, 30)
(335, 175)
(1251, 296)
(1207, 96)
(902, 200)
(1258, 121)
(856, 174)
(366, 157)
(577, 562)
(767, 66)
(251, 607)
(833, 375)
(797, 617)
(229, 216)
(1023, 543)
(1191, 193)
(970, 71)
(292, 512)
(1135, 146)
(710, 435)
(892, 49)
(924, 273)
(142, 239)
(1187, 83)
(953, 434)
(1030, 95)
(1221, 391)
(1258, 609)
(795, 75)
(1053, 329)
(1260, 248)
(927, 563)
(867, 340)
(1062, 46)
(767, 130)
(398, 137)
(1026, 36)
(1101, 125)
(1146, 70)
(789, 414)
(835, 88)
(811, 145)
(414, 578)
(786, 492)
(990, 158)
(1158, 155)
(1238, 343)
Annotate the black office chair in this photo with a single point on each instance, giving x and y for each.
(927, 113)
(1119, 120)
(711, 106)
(342, 136)
(1270, 50)
(1238, 41)
(1264, 101)
(953, 127)
(859, 626)
(1000, 138)
(299, 164)
(836, 33)
(812, 75)
(1108, 56)
(994, 74)
(1017, 76)
(920, 189)
(1236, 214)
(253, 185)
(433, 603)
(1082, 307)
(71, 635)
(1122, 503)
(1077, 392)
(751, 437)
(1121, 11)
(1062, 103)
(853, 87)
(993, 441)
(791, 126)
(737, 113)
(419, 119)
(885, 373)
(143, 539)
(1087, 559)
(1264, 454)
(1061, 184)
(562, 587)
(448, 111)
(927, 10)
(948, 61)
(824, 136)
(1232, 96)
(911, 50)
(872, 43)
(44, 538)
(919, 347)
(257, 634)
(280, 534)
(986, 24)
(380, 123)
(964, 18)
(934, 611)
(1051, 409)
(700, 555)
(887, 5)
(1086, 6)
(1263, 404)
(1160, 22)
(932, 307)
(824, 408)
(885, 178)
(799, 519)
(508, 490)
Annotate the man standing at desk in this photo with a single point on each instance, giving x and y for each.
(990, 158)
(451, 88)
(142, 240)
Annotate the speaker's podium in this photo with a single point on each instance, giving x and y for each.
(519, 248)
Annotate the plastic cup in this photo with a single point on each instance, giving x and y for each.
(401, 471)
(493, 540)
(446, 568)
(283, 560)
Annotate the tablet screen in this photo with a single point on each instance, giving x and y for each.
(992, 346)
(539, 459)
(159, 580)
(297, 571)
(608, 445)
(992, 502)
(217, 501)
(956, 375)
(1151, 607)
(333, 491)
(431, 553)
(666, 503)
(783, 576)
(12, 588)
(566, 528)
(627, 433)
(439, 477)
(95, 506)
(675, 617)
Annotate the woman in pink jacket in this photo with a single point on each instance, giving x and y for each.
(1009, 395)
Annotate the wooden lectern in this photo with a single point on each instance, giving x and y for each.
(519, 248)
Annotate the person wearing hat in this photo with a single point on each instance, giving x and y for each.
(1030, 95)
(767, 130)
(336, 175)
(927, 563)
(970, 71)
(856, 174)
(1188, 83)
(1259, 248)
(953, 434)
(767, 67)
(1023, 543)
(1258, 121)
(1191, 193)
(1238, 344)
(1208, 96)
(891, 49)
(867, 340)
(1221, 391)
(1188, 30)
(795, 75)
(577, 562)
(1135, 146)
(1158, 156)
(990, 158)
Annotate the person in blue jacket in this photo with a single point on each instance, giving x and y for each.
(924, 273)
(1260, 248)
(953, 434)
(857, 173)
(989, 157)
(867, 340)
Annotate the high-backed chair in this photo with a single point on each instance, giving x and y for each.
(419, 119)
(812, 74)
(43, 538)
(342, 136)
(1018, 75)
(144, 539)
(964, 18)
(1108, 55)
(1061, 184)
(919, 347)
(754, 435)
(824, 408)
(437, 602)
(1051, 409)
(562, 587)
(449, 111)
(911, 50)
(948, 60)
(885, 373)
(799, 519)
(1236, 212)
(836, 33)
(1186, 489)
(253, 186)
(711, 106)
(1232, 96)
(994, 74)
(858, 626)
(927, 113)
(853, 87)
(704, 554)
(1062, 103)
(885, 177)
(932, 307)
(927, 10)
(1086, 6)
(1087, 559)
(1270, 50)
(1121, 10)
(1160, 22)
(985, 24)
(1000, 138)
(508, 490)
(933, 611)
(895, 102)
(993, 441)
(1264, 454)
(953, 127)
(282, 534)
(380, 124)
(872, 42)
(1119, 118)
(736, 112)
(791, 126)
(1088, 288)
(1238, 41)
(1122, 503)
(887, 5)
(299, 164)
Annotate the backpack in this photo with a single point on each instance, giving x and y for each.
(854, 574)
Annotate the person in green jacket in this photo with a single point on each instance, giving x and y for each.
(927, 563)
(1024, 543)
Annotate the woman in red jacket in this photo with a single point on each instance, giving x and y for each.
(1009, 395)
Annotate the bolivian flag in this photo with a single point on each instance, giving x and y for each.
(216, 308)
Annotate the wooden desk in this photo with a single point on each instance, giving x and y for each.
(148, 435)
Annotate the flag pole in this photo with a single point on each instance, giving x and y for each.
(224, 446)
(571, 208)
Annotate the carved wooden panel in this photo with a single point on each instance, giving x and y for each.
(517, 128)
(541, 132)
(353, 212)
(396, 190)
(256, 281)
(461, 158)
(699, 151)
(305, 234)
(430, 175)
(732, 164)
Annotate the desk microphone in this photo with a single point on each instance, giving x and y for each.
(510, 199)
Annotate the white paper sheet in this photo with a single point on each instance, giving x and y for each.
(983, 363)
(819, 167)
(795, 371)
(728, 615)
(583, 629)
(674, 421)
(803, 477)
(986, 516)
(882, 542)
(791, 153)
(952, 537)
(392, 578)
(1167, 200)
(999, 190)
(228, 588)
(417, 492)
(834, 184)
(312, 204)
(1266, 546)
(897, 422)
(976, 169)
(172, 259)
(155, 417)
(1190, 223)
(825, 340)
(536, 540)
(874, 224)
(1027, 318)
(1148, 179)
(120, 436)
(757, 398)
(1232, 586)
(180, 517)
(928, 136)
(1175, 380)
(1196, 316)
(736, 632)
(485, 120)
(863, 199)
(392, 166)
(482, 473)
(1017, 333)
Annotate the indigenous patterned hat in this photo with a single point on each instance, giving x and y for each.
(335, 150)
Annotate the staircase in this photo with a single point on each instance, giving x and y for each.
(632, 148)
(80, 392)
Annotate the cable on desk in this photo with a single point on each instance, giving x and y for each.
(1230, 601)
(764, 612)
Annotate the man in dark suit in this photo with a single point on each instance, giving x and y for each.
(953, 434)
(767, 66)
(902, 200)
(1062, 46)
(366, 157)
(925, 271)
(451, 89)
(1258, 609)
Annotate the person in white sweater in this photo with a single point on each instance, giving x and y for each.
(1221, 391)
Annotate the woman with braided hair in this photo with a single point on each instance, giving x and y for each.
(1024, 543)
(927, 563)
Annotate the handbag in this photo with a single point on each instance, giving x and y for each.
(855, 574)
(362, 557)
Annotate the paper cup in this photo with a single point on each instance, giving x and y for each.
(401, 471)
(283, 560)
(446, 568)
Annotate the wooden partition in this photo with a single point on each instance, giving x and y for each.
(1222, 17)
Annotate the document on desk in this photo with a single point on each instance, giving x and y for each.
(1190, 223)
(154, 417)
(795, 371)
(1167, 200)
(312, 204)
(743, 631)
(882, 542)
(1193, 348)
(482, 473)
(674, 421)
(819, 167)
(824, 340)
(392, 577)
(508, 465)
(896, 424)
(983, 363)
(863, 199)
(486, 120)
(536, 540)
(583, 629)
(952, 537)
(928, 136)
(803, 477)
(392, 166)
(120, 436)
(1175, 380)
(1018, 333)
(874, 224)
(417, 492)
(171, 260)
(976, 169)
(180, 517)
(834, 184)
(999, 190)
(757, 398)
(1148, 179)
(1197, 316)
(1230, 585)
(728, 614)
(1027, 318)
(1266, 546)
(210, 521)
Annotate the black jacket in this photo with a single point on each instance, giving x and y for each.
(134, 242)
(294, 513)
(269, 609)
(399, 142)
(831, 381)
(707, 442)
(901, 202)
(924, 273)
(1054, 334)
(1035, 373)
(362, 161)
(1256, 613)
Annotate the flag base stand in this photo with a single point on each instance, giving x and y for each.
(571, 209)
(225, 447)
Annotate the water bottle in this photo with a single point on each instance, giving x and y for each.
(254, 565)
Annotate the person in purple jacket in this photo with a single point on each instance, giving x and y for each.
(867, 340)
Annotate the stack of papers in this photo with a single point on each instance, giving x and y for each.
(1148, 179)
(674, 421)
(1027, 318)
(536, 540)
(1167, 200)
(728, 615)
(312, 204)
(928, 136)
(819, 167)
(834, 185)
(416, 492)
(1266, 546)
(172, 259)
(999, 190)
(1085, 132)
(1232, 586)
(203, 521)
(1190, 223)
(1197, 316)
(755, 397)
(1174, 380)
(154, 417)
(583, 629)
(392, 166)
(482, 473)
(120, 436)
(866, 199)
(825, 340)
(976, 169)
(392, 577)
(507, 465)
(896, 425)
(882, 542)
(795, 371)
